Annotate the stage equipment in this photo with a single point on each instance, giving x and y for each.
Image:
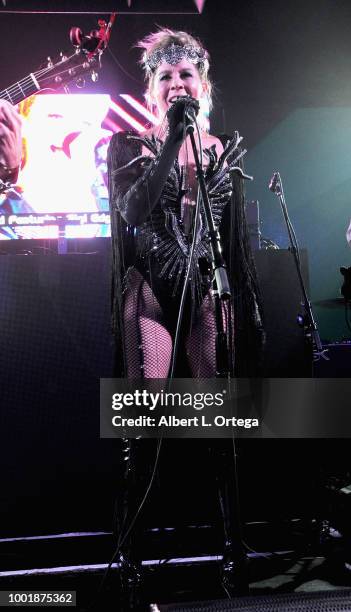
(303, 602)
(221, 288)
(123, 7)
(346, 286)
(341, 302)
(338, 497)
(234, 566)
(346, 292)
(253, 221)
(339, 364)
(285, 352)
(306, 320)
(68, 69)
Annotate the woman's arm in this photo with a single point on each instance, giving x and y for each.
(136, 188)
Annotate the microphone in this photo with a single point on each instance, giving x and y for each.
(274, 182)
(189, 110)
(190, 113)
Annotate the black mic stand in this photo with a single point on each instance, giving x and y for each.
(221, 286)
(234, 565)
(308, 322)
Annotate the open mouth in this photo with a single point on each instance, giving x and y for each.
(174, 98)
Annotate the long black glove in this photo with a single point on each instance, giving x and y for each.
(181, 112)
(139, 199)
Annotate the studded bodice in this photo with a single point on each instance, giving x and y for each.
(165, 235)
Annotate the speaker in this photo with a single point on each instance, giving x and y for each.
(286, 353)
(55, 343)
(303, 602)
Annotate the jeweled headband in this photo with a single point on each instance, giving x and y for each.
(173, 54)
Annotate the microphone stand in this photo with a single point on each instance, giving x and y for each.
(308, 321)
(221, 286)
(234, 563)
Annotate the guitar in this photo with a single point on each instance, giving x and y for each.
(86, 59)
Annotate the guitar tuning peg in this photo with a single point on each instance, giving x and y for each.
(50, 64)
(94, 76)
(80, 82)
(63, 56)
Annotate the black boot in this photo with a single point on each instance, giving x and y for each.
(234, 570)
(131, 593)
(130, 572)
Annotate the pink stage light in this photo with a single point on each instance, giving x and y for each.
(200, 5)
(140, 108)
(126, 116)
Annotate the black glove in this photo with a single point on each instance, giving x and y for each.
(180, 113)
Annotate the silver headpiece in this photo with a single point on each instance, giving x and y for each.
(173, 54)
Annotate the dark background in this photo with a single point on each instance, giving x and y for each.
(281, 71)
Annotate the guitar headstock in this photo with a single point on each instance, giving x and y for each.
(84, 61)
(67, 69)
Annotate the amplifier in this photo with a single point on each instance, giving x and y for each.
(304, 602)
(286, 354)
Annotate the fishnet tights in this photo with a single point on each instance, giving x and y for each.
(148, 344)
(149, 339)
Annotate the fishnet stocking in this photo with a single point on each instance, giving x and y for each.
(148, 339)
(148, 344)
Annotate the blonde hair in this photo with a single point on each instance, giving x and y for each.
(163, 38)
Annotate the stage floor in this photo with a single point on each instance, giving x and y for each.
(78, 562)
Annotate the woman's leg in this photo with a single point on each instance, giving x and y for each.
(148, 344)
(234, 564)
(201, 348)
(148, 348)
(137, 460)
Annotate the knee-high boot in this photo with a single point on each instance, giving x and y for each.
(129, 556)
(234, 565)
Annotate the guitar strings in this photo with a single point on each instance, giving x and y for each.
(37, 73)
(12, 91)
(28, 80)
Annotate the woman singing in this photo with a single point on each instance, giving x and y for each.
(153, 190)
(153, 195)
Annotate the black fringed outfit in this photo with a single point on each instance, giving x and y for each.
(151, 245)
(151, 241)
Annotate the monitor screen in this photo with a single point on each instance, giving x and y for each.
(62, 186)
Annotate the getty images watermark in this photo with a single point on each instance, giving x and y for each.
(163, 401)
(217, 408)
(183, 408)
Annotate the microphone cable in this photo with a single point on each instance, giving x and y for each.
(191, 257)
(124, 533)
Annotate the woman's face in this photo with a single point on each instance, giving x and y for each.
(171, 81)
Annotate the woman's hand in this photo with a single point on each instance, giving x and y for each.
(10, 140)
(180, 113)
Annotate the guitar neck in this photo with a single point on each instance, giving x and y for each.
(21, 90)
(84, 60)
